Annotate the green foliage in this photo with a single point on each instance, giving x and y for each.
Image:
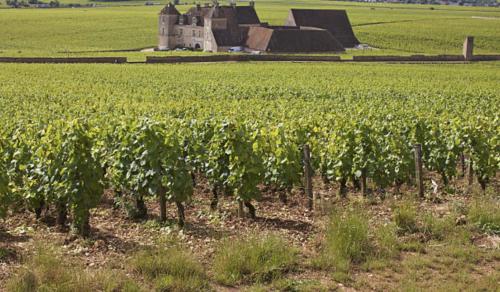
(5, 199)
(147, 159)
(234, 163)
(282, 158)
(67, 169)
(80, 174)
(245, 165)
(171, 269)
(53, 163)
(239, 135)
(253, 259)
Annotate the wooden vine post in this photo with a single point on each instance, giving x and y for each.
(241, 210)
(418, 170)
(308, 178)
(364, 187)
(463, 167)
(470, 173)
(163, 204)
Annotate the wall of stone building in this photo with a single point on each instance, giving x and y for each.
(189, 36)
(290, 20)
(209, 42)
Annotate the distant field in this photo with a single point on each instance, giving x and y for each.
(401, 29)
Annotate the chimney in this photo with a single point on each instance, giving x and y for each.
(252, 3)
(468, 50)
(198, 7)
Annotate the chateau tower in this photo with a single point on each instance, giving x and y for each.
(167, 20)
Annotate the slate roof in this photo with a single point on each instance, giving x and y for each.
(199, 13)
(335, 21)
(292, 40)
(247, 15)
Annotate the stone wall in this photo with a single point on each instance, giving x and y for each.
(110, 60)
(242, 58)
(414, 58)
(486, 58)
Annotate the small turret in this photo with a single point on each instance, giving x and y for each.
(169, 9)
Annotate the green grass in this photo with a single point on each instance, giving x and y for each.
(409, 220)
(290, 285)
(347, 242)
(394, 29)
(47, 270)
(435, 228)
(253, 259)
(405, 217)
(485, 214)
(4, 254)
(351, 241)
(386, 241)
(170, 269)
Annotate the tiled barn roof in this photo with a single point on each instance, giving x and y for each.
(292, 39)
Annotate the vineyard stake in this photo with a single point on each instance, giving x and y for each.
(418, 170)
(163, 204)
(364, 187)
(241, 210)
(308, 177)
(470, 173)
(462, 164)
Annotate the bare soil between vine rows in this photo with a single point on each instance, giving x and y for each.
(115, 237)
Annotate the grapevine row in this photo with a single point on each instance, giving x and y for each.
(69, 164)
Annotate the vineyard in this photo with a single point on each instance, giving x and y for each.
(149, 137)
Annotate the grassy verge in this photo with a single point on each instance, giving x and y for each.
(253, 259)
(49, 271)
(350, 241)
(170, 269)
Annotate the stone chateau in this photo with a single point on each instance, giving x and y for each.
(217, 28)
